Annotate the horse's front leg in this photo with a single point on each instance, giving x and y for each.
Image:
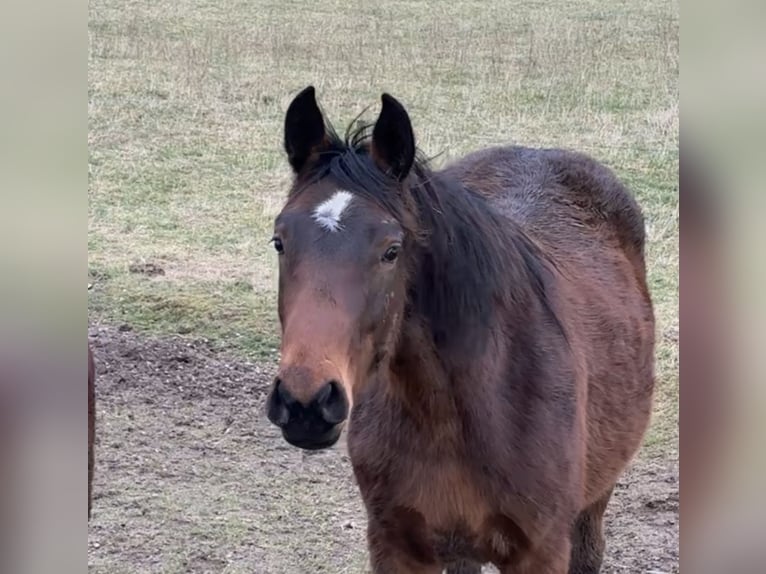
(392, 554)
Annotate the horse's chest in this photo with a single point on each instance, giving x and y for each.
(428, 501)
(439, 512)
(446, 495)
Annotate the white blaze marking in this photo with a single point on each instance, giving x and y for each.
(328, 213)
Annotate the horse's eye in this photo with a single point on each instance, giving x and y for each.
(391, 254)
(278, 245)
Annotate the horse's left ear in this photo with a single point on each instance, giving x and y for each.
(393, 142)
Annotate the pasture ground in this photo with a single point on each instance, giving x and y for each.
(186, 100)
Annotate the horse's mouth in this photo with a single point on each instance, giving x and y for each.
(326, 440)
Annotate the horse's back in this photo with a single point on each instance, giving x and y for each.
(583, 217)
(564, 198)
(593, 230)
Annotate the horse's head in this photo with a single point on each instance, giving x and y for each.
(342, 240)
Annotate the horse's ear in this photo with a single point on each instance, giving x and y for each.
(304, 129)
(393, 142)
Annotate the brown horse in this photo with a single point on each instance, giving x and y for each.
(91, 420)
(486, 330)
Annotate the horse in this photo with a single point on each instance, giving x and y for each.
(484, 334)
(91, 421)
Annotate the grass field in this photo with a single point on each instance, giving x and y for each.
(186, 101)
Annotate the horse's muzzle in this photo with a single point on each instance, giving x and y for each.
(311, 426)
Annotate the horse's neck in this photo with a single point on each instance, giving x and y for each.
(419, 376)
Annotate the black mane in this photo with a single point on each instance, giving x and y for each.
(467, 258)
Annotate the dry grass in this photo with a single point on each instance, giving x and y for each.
(186, 102)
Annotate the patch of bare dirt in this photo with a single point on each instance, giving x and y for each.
(148, 269)
(191, 477)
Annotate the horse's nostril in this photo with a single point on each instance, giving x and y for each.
(332, 403)
(323, 396)
(277, 405)
(283, 393)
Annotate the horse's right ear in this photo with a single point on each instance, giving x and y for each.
(304, 129)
